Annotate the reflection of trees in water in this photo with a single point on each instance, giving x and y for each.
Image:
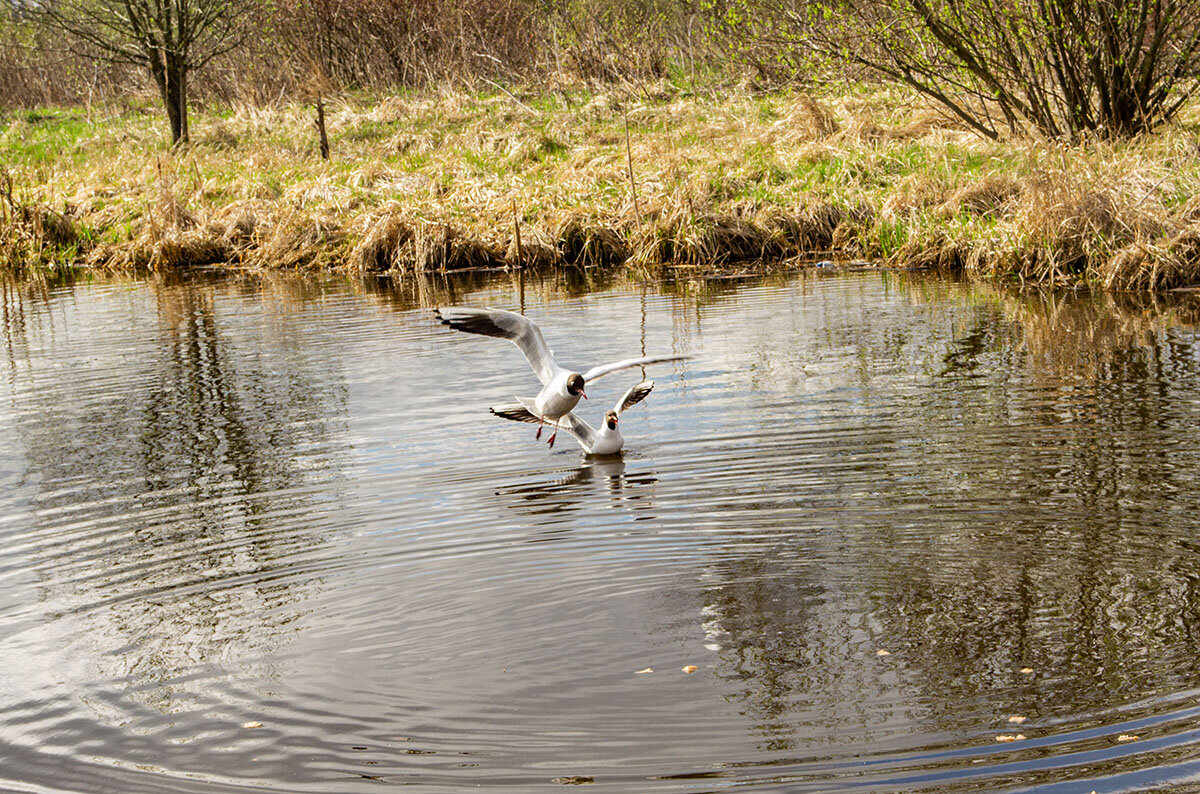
(1028, 503)
(171, 467)
(774, 646)
(13, 316)
(427, 290)
(1085, 578)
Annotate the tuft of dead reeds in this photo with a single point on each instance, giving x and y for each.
(386, 245)
(442, 247)
(34, 236)
(536, 251)
(584, 243)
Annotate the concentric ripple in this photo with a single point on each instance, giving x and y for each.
(880, 532)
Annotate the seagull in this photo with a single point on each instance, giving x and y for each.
(561, 388)
(605, 441)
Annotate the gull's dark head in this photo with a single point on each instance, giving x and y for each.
(610, 419)
(575, 385)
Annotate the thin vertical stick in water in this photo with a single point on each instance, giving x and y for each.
(521, 287)
(321, 129)
(637, 211)
(517, 230)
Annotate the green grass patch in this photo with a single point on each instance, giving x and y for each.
(867, 172)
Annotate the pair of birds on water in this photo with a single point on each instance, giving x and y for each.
(562, 389)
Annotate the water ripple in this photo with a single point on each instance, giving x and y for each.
(262, 534)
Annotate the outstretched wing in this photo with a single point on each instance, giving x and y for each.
(604, 369)
(515, 412)
(634, 395)
(519, 330)
(524, 410)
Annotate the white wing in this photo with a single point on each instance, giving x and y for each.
(604, 369)
(580, 429)
(519, 330)
(633, 395)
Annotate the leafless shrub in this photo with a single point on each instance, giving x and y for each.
(1063, 68)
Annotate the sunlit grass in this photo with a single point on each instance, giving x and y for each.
(720, 179)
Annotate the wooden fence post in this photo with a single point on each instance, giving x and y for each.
(321, 129)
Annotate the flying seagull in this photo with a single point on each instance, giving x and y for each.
(605, 441)
(561, 388)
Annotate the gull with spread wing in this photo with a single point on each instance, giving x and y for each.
(605, 441)
(561, 388)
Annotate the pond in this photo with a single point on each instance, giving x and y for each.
(262, 533)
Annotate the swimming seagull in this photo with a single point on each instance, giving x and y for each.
(605, 441)
(561, 388)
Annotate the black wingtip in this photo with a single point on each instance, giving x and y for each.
(515, 413)
(441, 318)
(474, 323)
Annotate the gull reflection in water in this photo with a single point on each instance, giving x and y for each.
(570, 491)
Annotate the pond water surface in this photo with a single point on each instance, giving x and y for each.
(261, 533)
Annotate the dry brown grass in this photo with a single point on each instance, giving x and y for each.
(990, 195)
(430, 182)
(384, 244)
(537, 251)
(813, 119)
(32, 235)
(584, 243)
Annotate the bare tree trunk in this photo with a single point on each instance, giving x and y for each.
(171, 102)
(182, 99)
(158, 70)
(165, 71)
(176, 97)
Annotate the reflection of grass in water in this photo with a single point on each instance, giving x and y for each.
(1083, 335)
(1071, 334)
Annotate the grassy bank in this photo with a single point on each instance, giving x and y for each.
(719, 181)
